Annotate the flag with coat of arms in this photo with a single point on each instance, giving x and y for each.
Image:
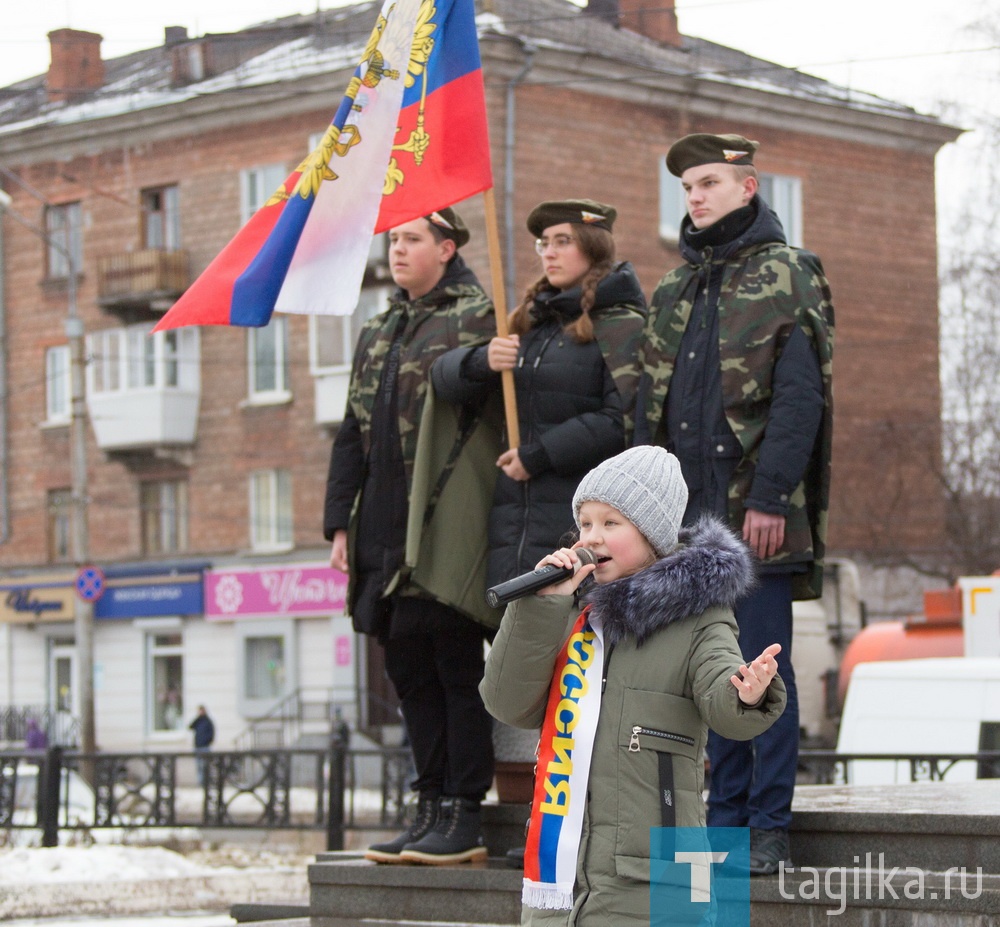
(409, 137)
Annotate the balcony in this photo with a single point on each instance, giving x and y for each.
(331, 396)
(148, 419)
(150, 279)
(143, 392)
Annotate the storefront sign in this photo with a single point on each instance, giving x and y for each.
(29, 599)
(301, 590)
(151, 596)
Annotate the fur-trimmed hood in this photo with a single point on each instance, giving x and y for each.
(709, 567)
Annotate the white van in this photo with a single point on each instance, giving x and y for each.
(941, 705)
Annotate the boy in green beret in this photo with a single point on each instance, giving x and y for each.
(736, 382)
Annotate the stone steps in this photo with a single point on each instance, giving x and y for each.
(863, 855)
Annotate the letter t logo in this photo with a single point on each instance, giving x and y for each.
(700, 862)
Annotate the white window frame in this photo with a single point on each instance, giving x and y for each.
(247, 631)
(64, 235)
(371, 302)
(130, 359)
(57, 385)
(161, 228)
(154, 650)
(271, 511)
(782, 192)
(257, 184)
(281, 391)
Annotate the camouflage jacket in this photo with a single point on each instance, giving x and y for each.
(457, 314)
(767, 288)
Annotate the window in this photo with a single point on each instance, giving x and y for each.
(267, 357)
(59, 508)
(271, 510)
(256, 186)
(161, 220)
(165, 675)
(267, 664)
(782, 193)
(57, 385)
(333, 337)
(64, 228)
(130, 359)
(164, 512)
(264, 667)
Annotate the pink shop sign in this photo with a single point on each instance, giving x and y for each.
(303, 590)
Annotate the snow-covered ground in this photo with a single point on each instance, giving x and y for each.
(112, 881)
(169, 920)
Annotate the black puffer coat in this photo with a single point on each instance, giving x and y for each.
(570, 412)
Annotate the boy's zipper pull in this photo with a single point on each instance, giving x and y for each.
(633, 744)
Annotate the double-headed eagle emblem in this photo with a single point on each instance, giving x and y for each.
(373, 69)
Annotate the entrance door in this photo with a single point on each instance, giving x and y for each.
(62, 691)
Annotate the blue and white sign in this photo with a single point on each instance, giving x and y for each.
(152, 596)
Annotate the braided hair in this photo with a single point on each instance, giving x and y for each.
(598, 247)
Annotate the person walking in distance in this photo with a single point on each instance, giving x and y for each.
(204, 735)
(737, 383)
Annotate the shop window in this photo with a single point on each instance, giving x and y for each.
(59, 510)
(264, 667)
(166, 682)
(164, 513)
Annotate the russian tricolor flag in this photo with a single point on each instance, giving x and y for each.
(409, 137)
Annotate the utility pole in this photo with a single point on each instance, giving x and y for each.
(83, 615)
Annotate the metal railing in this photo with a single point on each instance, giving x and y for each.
(284, 723)
(60, 727)
(828, 767)
(58, 789)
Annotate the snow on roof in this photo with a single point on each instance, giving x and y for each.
(297, 47)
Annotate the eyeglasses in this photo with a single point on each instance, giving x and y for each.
(558, 243)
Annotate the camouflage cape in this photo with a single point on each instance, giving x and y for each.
(766, 289)
(618, 333)
(455, 315)
(460, 315)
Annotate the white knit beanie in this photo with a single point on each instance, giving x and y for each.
(645, 484)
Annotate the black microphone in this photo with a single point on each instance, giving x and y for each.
(528, 583)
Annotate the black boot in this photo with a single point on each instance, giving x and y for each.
(769, 850)
(456, 838)
(428, 811)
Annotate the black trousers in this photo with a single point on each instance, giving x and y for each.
(436, 674)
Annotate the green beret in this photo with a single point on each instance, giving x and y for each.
(702, 148)
(576, 212)
(449, 223)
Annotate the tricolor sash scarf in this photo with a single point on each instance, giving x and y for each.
(564, 752)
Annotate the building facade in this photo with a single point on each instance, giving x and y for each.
(207, 449)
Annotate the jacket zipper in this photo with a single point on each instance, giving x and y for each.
(633, 744)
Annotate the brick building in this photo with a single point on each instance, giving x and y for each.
(206, 450)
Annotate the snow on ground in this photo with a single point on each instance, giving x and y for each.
(119, 881)
(24, 865)
(148, 920)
